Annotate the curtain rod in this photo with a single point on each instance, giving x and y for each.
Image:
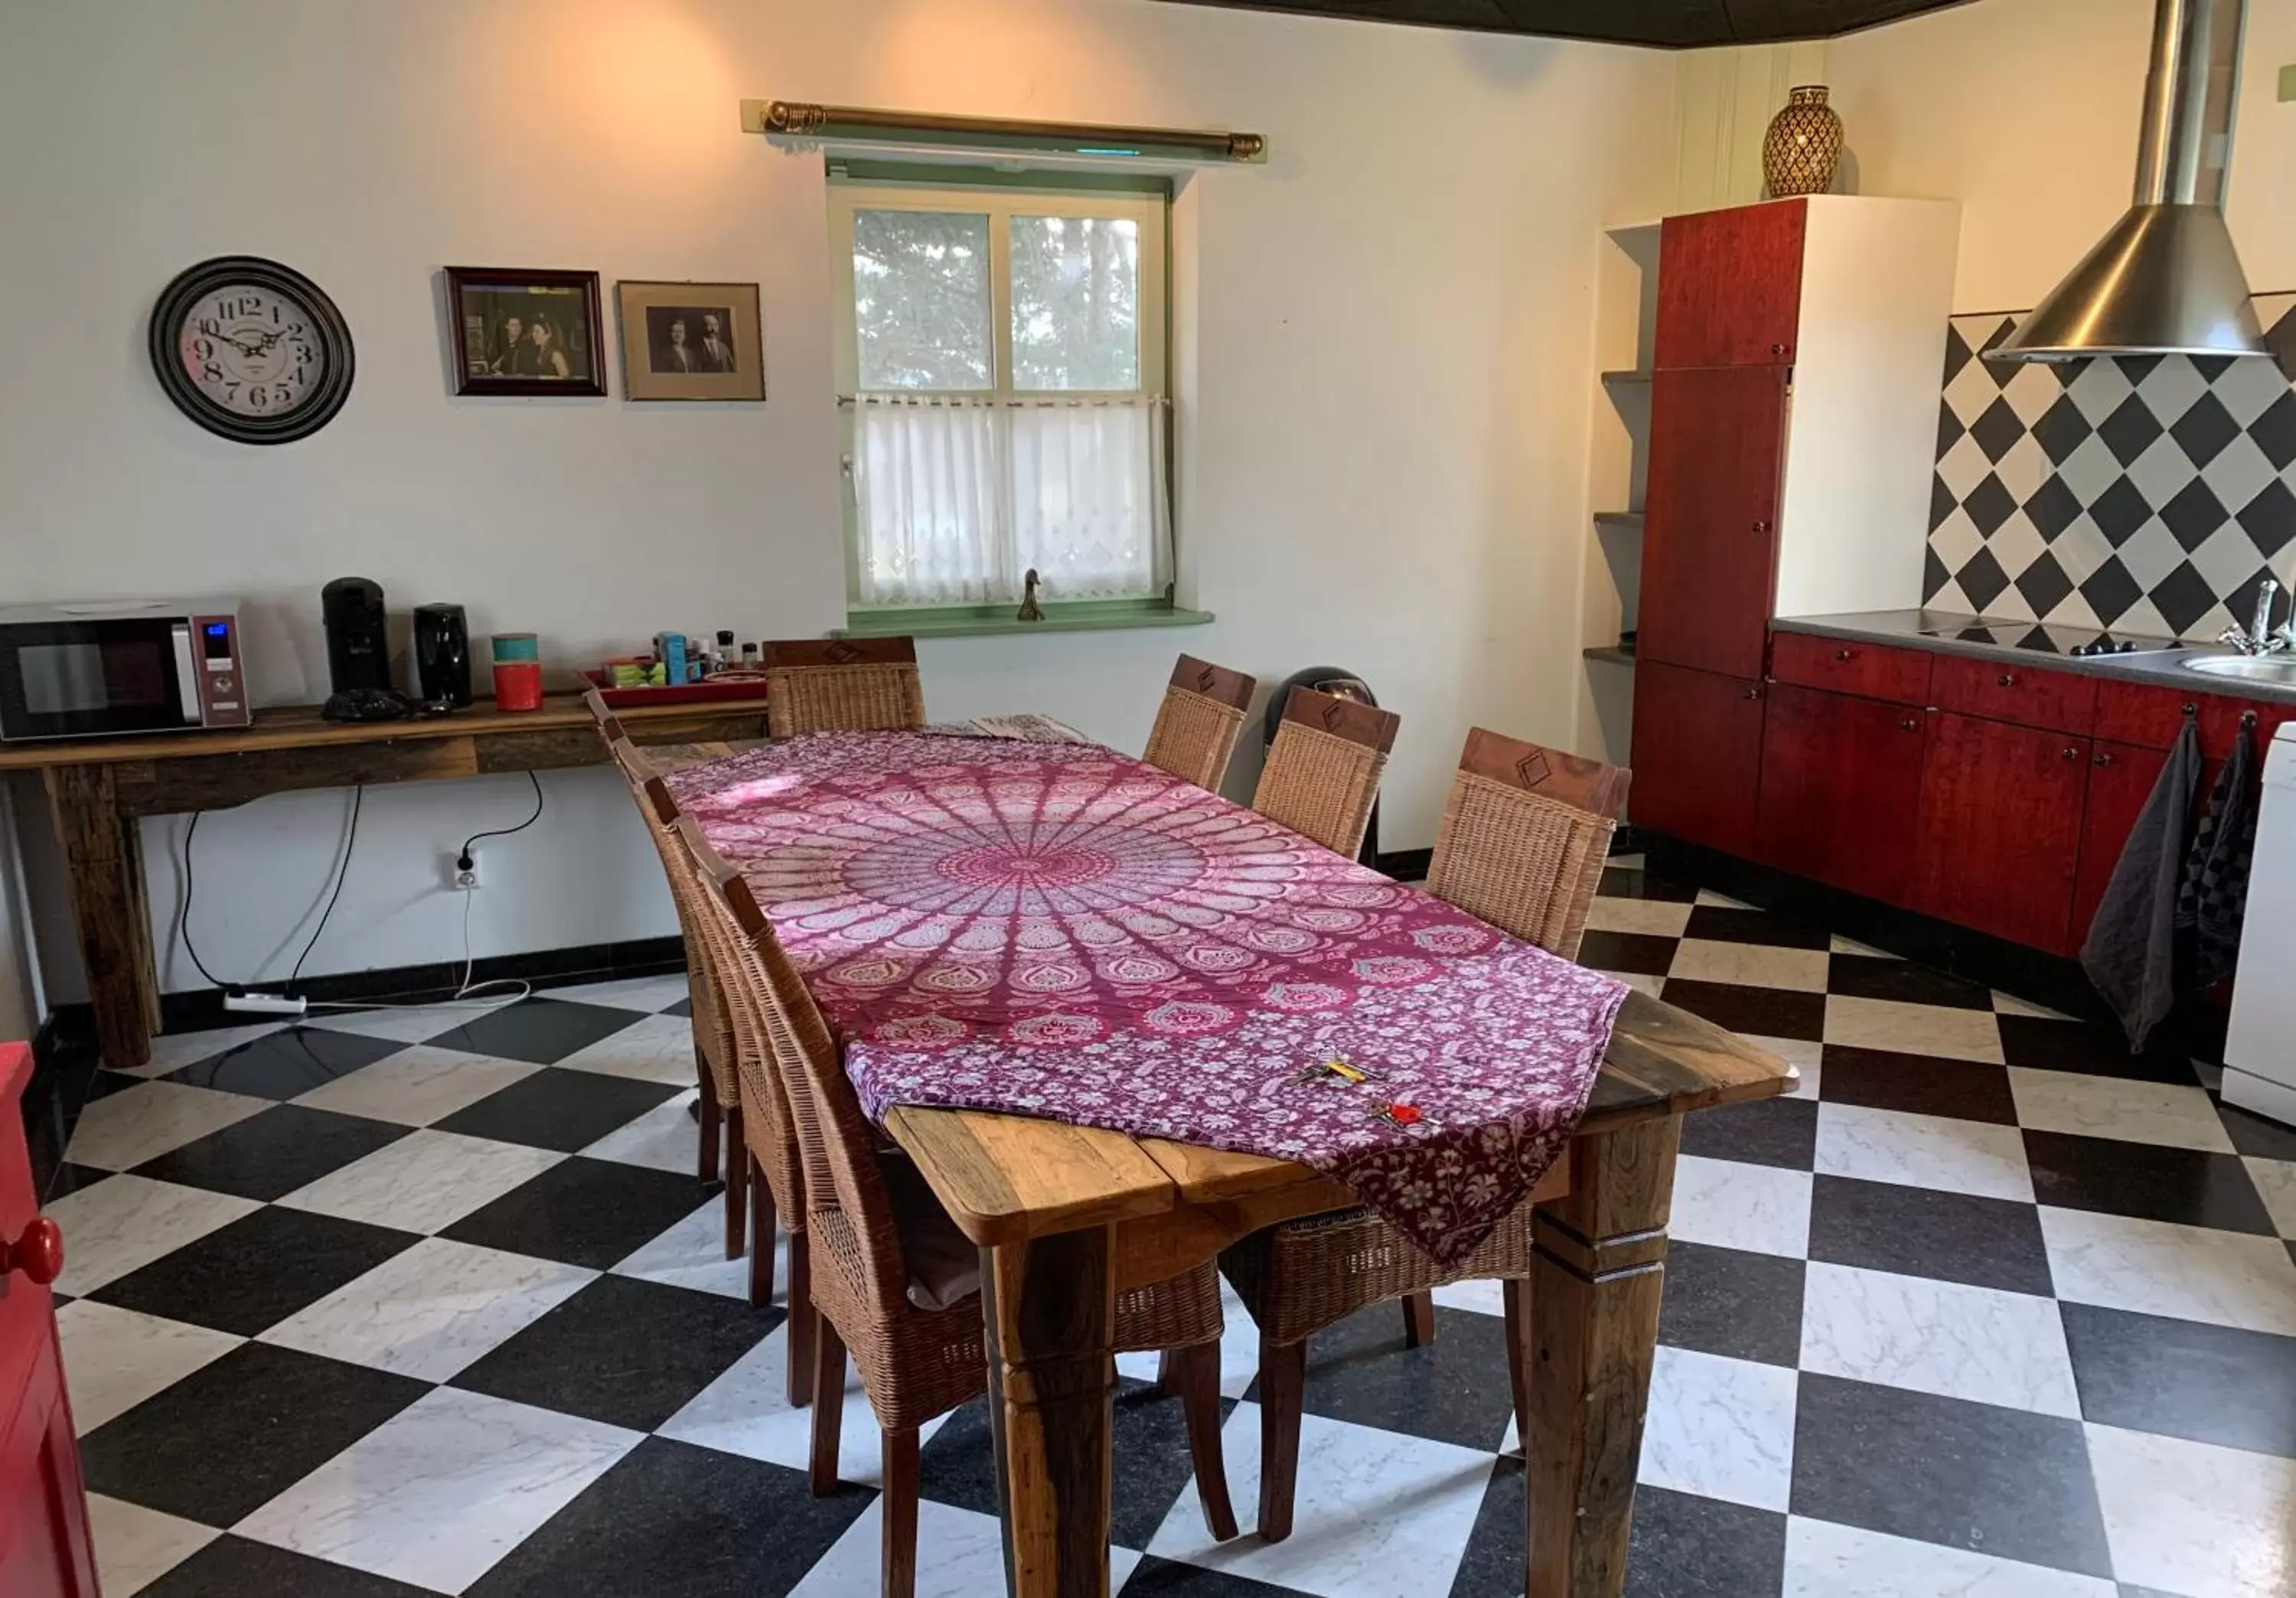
(798, 119)
(982, 401)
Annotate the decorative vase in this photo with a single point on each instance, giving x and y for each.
(1803, 146)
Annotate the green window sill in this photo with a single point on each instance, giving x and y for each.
(975, 621)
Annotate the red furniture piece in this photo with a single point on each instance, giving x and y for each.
(1729, 288)
(1999, 839)
(1841, 790)
(1698, 755)
(45, 1548)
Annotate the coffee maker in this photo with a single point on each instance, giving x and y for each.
(442, 656)
(359, 653)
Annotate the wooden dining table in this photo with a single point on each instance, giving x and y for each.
(1068, 1216)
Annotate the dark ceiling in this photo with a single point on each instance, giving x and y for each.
(1676, 23)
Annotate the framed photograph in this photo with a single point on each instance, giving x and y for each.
(692, 341)
(521, 331)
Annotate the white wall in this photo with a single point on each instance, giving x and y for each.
(1385, 399)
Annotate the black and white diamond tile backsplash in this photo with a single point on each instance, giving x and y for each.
(2149, 495)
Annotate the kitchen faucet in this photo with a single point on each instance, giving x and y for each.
(2258, 638)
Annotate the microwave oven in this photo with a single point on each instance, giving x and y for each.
(102, 669)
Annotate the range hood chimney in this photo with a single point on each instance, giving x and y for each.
(2166, 279)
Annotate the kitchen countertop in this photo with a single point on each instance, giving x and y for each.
(1911, 630)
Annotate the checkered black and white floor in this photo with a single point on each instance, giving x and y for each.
(428, 1301)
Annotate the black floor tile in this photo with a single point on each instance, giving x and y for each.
(564, 1111)
(1920, 1232)
(279, 1065)
(1730, 1302)
(1726, 925)
(2253, 1134)
(1453, 1390)
(683, 1007)
(672, 1521)
(236, 1433)
(253, 1273)
(69, 1178)
(1920, 1084)
(1492, 1564)
(540, 1031)
(1764, 1011)
(1998, 1481)
(1151, 1461)
(1903, 982)
(1164, 1578)
(2213, 1384)
(1631, 882)
(2149, 1181)
(1685, 1546)
(625, 1352)
(272, 1154)
(586, 1212)
(2094, 1048)
(1781, 1132)
(233, 1566)
(1645, 953)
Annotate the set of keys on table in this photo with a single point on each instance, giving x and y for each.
(1339, 1068)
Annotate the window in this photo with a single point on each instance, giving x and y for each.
(1001, 358)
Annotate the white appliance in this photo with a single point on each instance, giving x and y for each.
(2260, 1051)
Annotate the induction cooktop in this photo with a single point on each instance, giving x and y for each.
(2042, 639)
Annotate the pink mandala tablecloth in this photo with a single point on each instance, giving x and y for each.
(1057, 930)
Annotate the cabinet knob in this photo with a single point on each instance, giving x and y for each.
(1912, 724)
(2104, 758)
(1753, 693)
(1845, 654)
(2007, 679)
(2192, 709)
(1778, 349)
(1761, 527)
(39, 1253)
(2070, 754)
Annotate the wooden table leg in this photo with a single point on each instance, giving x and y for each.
(105, 856)
(1050, 1306)
(1594, 1307)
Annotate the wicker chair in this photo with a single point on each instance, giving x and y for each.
(1199, 722)
(842, 686)
(1522, 843)
(1323, 769)
(897, 1286)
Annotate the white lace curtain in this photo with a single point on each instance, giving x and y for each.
(958, 497)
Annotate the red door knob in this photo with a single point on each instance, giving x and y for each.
(39, 1253)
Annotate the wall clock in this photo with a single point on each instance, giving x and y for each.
(251, 349)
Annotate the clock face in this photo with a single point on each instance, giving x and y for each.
(253, 350)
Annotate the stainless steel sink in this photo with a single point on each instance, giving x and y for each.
(2279, 670)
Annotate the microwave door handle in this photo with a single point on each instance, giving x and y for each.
(187, 674)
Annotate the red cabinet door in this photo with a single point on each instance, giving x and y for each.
(1729, 286)
(1709, 517)
(2121, 776)
(1841, 787)
(1698, 755)
(1998, 843)
(45, 1551)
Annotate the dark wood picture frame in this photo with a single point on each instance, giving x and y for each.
(479, 299)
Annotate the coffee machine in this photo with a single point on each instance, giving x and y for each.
(359, 653)
(442, 656)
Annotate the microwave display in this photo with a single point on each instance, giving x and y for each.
(70, 679)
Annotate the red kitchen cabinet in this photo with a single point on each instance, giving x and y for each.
(45, 1549)
(1901, 675)
(1729, 286)
(1997, 846)
(2059, 701)
(2121, 776)
(1697, 755)
(1710, 518)
(1841, 791)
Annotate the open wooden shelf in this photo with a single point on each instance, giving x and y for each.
(1613, 653)
(1620, 521)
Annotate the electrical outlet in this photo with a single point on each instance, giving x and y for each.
(461, 880)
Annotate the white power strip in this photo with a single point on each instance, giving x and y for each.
(263, 1004)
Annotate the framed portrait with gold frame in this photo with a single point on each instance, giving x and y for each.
(687, 340)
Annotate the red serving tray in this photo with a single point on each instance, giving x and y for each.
(717, 688)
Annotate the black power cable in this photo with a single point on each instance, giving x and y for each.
(359, 803)
(183, 911)
(463, 862)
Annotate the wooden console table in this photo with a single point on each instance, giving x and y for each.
(99, 789)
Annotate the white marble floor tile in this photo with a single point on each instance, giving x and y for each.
(1624, 863)
(1827, 1560)
(658, 1048)
(1912, 1029)
(410, 1023)
(1722, 901)
(1851, 946)
(124, 1223)
(115, 1358)
(135, 1546)
(2276, 1179)
(2156, 1268)
(1240, 1338)
(173, 1051)
(2153, 1112)
(425, 1182)
(431, 1310)
(960, 1554)
(416, 1086)
(1483, 1296)
(743, 1412)
(441, 1491)
(1922, 1151)
(648, 994)
(143, 1122)
(665, 1138)
(1805, 1055)
(2196, 1520)
(1977, 1343)
(1659, 918)
(1732, 1204)
(1640, 981)
(1750, 965)
(1379, 1514)
(2009, 1003)
(692, 1254)
(1720, 1428)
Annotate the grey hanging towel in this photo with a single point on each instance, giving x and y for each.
(2213, 898)
(2130, 955)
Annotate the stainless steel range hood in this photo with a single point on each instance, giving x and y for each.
(2165, 280)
